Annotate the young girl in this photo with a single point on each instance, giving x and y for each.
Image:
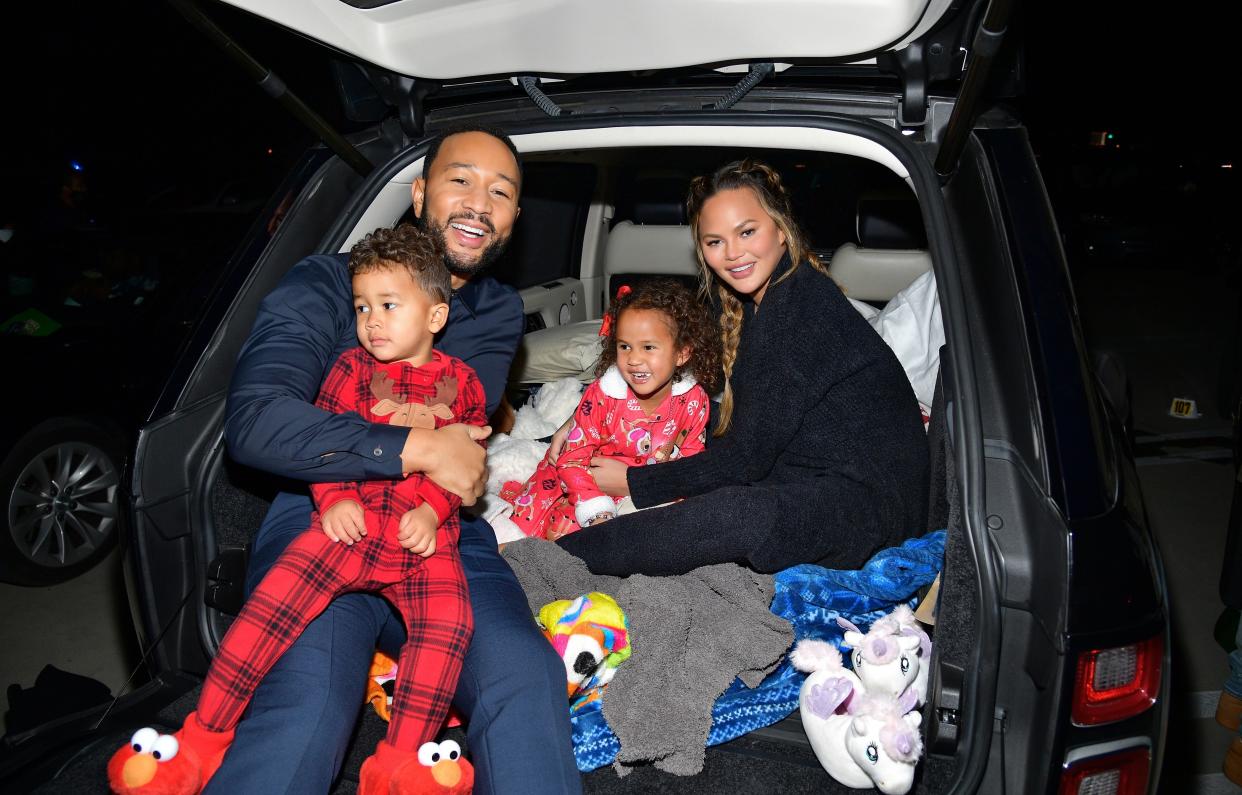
(648, 405)
(821, 455)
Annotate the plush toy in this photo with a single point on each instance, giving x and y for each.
(547, 410)
(440, 768)
(862, 740)
(882, 738)
(824, 704)
(591, 634)
(512, 458)
(380, 681)
(167, 764)
(893, 655)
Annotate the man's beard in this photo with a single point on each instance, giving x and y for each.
(466, 269)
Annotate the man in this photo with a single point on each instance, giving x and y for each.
(512, 687)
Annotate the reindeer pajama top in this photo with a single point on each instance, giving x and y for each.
(430, 593)
(562, 496)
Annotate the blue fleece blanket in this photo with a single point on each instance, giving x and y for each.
(811, 598)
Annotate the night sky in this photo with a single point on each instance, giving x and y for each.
(142, 100)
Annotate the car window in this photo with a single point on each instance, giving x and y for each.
(547, 238)
(824, 188)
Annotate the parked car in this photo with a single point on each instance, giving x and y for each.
(95, 337)
(1050, 669)
(93, 355)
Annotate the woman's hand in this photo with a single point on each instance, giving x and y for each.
(558, 440)
(610, 476)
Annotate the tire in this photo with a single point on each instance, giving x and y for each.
(61, 489)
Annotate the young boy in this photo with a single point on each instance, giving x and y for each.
(396, 538)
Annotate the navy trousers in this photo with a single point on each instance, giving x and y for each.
(511, 692)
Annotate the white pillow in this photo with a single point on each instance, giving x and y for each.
(865, 309)
(568, 351)
(911, 325)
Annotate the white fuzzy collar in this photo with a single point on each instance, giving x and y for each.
(613, 384)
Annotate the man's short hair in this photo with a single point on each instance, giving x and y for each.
(406, 247)
(433, 148)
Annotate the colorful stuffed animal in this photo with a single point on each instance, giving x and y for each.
(893, 655)
(380, 681)
(591, 634)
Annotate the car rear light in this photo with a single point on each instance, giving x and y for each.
(1122, 773)
(1117, 683)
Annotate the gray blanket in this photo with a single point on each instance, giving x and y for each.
(691, 636)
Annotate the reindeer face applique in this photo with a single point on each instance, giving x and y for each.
(637, 437)
(408, 413)
(671, 449)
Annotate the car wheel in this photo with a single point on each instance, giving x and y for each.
(61, 486)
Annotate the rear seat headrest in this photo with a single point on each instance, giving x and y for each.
(893, 223)
(891, 252)
(660, 199)
(663, 213)
(650, 248)
(876, 274)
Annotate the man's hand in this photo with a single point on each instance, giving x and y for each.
(417, 531)
(344, 521)
(610, 476)
(451, 457)
(558, 440)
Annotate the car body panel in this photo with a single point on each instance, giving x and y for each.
(570, 37)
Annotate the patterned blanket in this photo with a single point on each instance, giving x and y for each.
(810, 598)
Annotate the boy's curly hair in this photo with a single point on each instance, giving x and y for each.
(694, 327)
(406, 247)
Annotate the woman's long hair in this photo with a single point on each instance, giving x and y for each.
(766, 184)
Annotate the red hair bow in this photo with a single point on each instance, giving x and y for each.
(605, 328)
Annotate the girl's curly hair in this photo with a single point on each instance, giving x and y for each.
(693, 327)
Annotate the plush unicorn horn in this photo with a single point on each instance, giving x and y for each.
(903, 622)
(892, 656)
(884, 743)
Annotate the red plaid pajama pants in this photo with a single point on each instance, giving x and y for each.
(433, 601)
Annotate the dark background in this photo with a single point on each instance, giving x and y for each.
(178, 149)
(143, 102)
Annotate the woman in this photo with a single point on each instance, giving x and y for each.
(819, 454)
